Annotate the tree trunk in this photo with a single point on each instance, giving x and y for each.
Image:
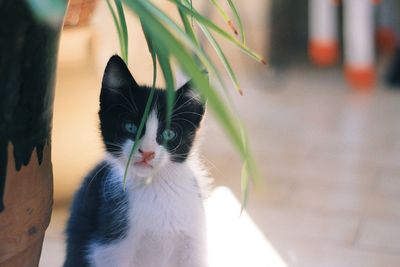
(28, 51)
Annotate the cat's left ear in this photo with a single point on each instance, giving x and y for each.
(189, 99)
(117, 75)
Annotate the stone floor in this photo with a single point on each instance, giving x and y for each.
(330, 163)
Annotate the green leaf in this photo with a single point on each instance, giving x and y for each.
(138, 134)
(245, 185)
(165, 64)
(238, 20)
(152, 51)
(223, 58)
(249, 170)
(206, 22)
(188, 27)
(225, 16)
(117, 26)
(123, 29)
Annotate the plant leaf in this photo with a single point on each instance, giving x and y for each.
(244, 185)
(123, 29)
(165, 64)
(151, 48)
(223, 58)
(117, 26)
(238, 20)
(225, 16)
(188, 27)
(206, 22)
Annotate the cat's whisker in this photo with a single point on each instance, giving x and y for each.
(185, 103)
(186, 112)
(118, 145)
(183, 119)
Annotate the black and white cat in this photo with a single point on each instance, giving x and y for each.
(158, 220)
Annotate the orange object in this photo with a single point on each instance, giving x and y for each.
(386, 39)
(324, 53)
(360, 78)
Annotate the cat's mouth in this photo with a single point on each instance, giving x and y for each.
(143, 163)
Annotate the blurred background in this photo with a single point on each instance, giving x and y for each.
(323, 122)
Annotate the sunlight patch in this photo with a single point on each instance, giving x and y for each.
(235, 240)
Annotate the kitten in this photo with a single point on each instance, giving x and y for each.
(158, 220)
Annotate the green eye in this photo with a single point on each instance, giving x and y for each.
(168, 135)
(130, 127)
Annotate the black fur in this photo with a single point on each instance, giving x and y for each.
(122, 100)
(96, 216)
(99, 209)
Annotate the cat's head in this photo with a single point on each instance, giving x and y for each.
(122, 105)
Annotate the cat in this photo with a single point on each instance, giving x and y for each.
(158, 219)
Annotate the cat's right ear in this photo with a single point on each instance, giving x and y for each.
(117, 75)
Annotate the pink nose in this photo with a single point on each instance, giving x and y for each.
(147, 155)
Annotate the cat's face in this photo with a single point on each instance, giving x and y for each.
(122, 105)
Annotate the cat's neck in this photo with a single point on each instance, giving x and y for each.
(173, 172)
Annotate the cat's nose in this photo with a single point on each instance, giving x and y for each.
(147, 155)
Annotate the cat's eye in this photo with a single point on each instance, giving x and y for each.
(169, 135)
(130, 127)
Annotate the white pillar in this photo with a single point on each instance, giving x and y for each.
(359, 43)
(323, 44)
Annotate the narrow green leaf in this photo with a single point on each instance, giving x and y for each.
(138, 134)
(223, 58)
(224, 16)
(165, 64)
(238, 20)
(245, 185)
(249, 170)
(206, 22)
(188, 27)
(191, 7)
(151, 48)
(117, 25)
(190, 32)
(123, 29)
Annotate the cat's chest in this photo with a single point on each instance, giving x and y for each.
(163, 218)
(165, 208)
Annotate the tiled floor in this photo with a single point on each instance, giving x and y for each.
(330, 159)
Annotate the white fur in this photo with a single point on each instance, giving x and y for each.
(166, 215)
